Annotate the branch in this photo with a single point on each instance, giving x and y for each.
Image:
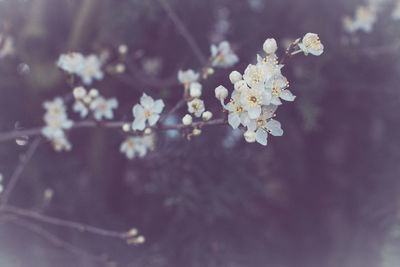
(183, 31)
(64, 223)
(18, 170)
(52, 238)
(108, 124)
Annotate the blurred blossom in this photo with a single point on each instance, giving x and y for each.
(171, 120)
(257, 5)
(7, 47)
(152, 66)
(23, 68)
(223, 56)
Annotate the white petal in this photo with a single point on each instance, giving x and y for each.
(153, 119)
(139, 124)
(261, 136)
(274, 127)
(138, 111)
(158, 106)
(234, 120)
(254, 112)
(146, 101)
(275, 101)
(287, 95)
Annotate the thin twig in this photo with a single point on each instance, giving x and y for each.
(53, 239)
(177, 106)
(184, 32)
(63, 223)
(18, 170)
(104, 124)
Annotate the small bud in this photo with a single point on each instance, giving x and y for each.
(87, 99)
(207, 115)
(221, 92)
(235, 76)
(241, 85)
(48, 194)
(126, 127)
(187, 120)
(123, 49)
(120, 68)
(196, 132)
(133, 232)
(140, 239)
(147, 131)
(210, 71)
(270, 46)
(79, 92)
(93, 93)
(250, 136)
(195, 89)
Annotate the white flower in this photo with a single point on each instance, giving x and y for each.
(8, 46)
(241, 86)
(270, 46)
(252, 100)
(196, 107)
(72, 62)
(102, 107)
(148, 109)
(270, 65)
(195, 90)
(207, 115)
(79, 92)
(221, 92)
(237, 114)
(348, 24)
(311, 44)
(187, 77)
(278, 85)
(235, 76)
(365, 18)
(255, 75)
(223, 56)
(187, 119)
(91, 69)
(55, 118)
(133, 146)
(80, 108)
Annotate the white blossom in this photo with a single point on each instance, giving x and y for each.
(79, 92)
(311, 44)
(270, 46)
(207, 115)
(102, 107)
(221, 92)
(277, 85)
(187, 120)
(133, 146)
(80, 108)
(195, 90)
(187, 77)
(91, 69)
(223, 56)
(61, 144)
(196, 107)
(148, 110)
(72, 62)
(235, 76)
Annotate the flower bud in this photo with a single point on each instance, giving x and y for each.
(187, 120)
(126, 127)
(147, 131)
(120, 68)
(270, 46)
(250, 136)
(207, 115)
(123, 49)
(195, 90)
(140, 239)
(196, 132)
(132, 232)
(79, 92)
(221, 92)
(235, 76)
(93, 93)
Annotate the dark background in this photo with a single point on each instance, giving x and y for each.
(325, 194)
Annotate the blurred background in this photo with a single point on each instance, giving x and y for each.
(325, 194)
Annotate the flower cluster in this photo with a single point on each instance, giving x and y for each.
(187, 77)
(137, 145)
(92, 101)
(259, 91)
(7, 47)
(87, 68)
(223, 56)
(366, 15)
(57, 121)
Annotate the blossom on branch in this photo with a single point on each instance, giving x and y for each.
(148, 110)
(223, 56)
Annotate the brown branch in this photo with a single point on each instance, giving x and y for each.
(184, 32)
(18, 170)
(105, 124)
(52, 238)
(63, 223)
